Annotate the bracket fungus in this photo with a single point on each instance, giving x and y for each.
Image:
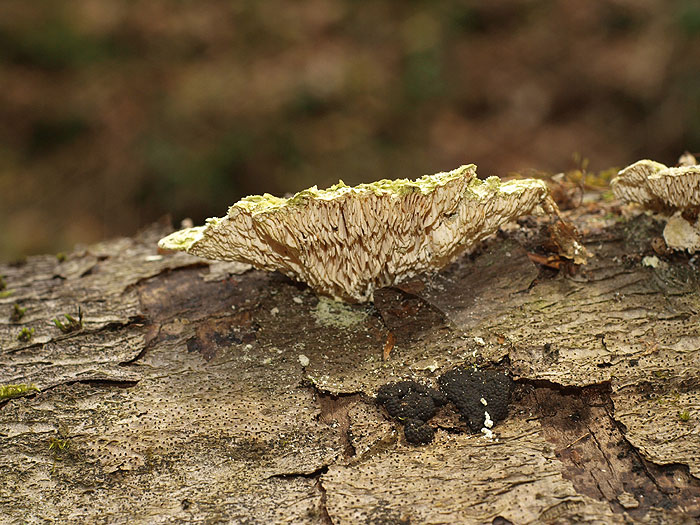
(674, 192)
(345, 242)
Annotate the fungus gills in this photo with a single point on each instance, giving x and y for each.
(345, 242)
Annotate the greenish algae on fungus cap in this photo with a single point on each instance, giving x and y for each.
(345, 241)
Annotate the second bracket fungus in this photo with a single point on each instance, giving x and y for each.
(671, 191)
(347, 241)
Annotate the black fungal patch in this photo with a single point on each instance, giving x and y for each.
(466, 388)
(472, 392)
(413, 404)
(418, 432)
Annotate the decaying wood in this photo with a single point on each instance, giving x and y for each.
(193, 393)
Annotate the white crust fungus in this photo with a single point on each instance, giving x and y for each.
(347, 241)
(681, 234)
(671, 191)
(488, 425)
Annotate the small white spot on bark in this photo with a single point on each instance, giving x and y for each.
(651, 261)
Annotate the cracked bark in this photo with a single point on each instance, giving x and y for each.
(183, 396)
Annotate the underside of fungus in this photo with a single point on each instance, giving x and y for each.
(674, 192)
(347, 241)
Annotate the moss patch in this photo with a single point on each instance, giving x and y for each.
(17, 313)
(10, 391)
(25, 334)
(71, 324)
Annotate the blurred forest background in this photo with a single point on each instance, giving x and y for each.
(116, 112)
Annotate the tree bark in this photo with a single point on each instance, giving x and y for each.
(189, 392)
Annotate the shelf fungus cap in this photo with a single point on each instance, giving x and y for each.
(670, 191)
(347, 241)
